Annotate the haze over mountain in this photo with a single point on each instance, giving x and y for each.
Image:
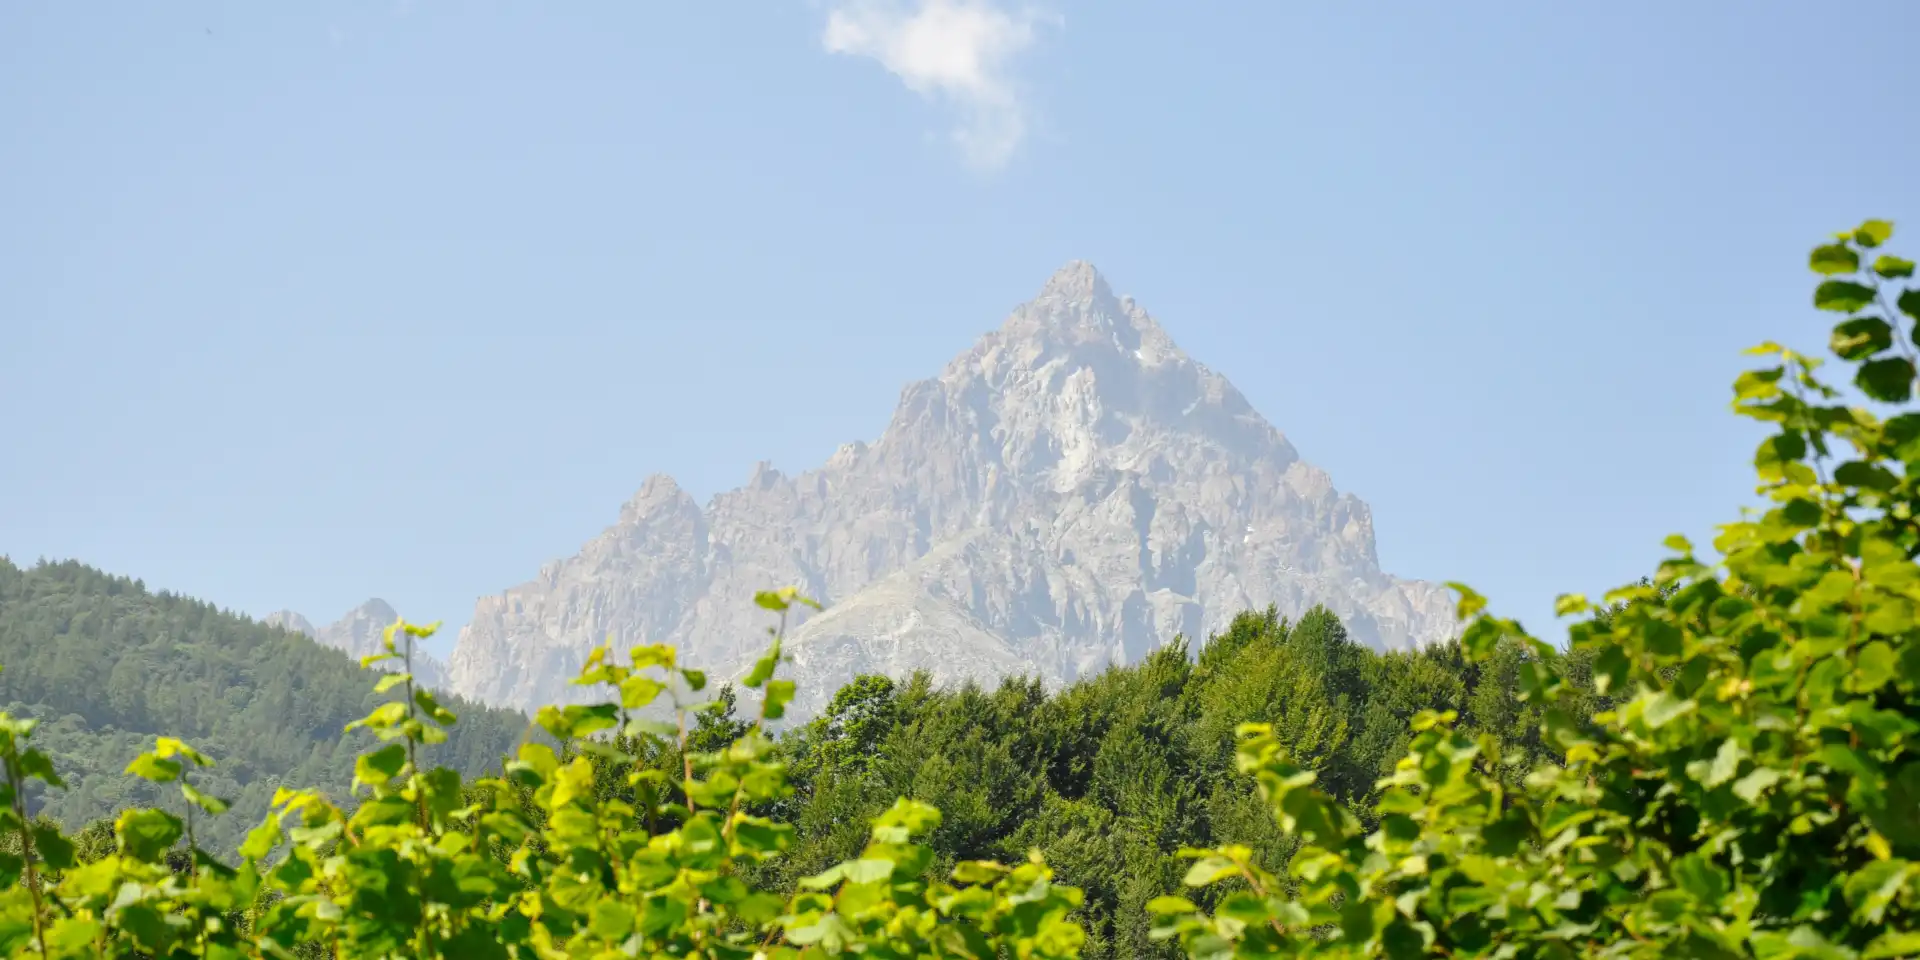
(361, 632)
(1071, 492)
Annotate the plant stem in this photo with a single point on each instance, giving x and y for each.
(26, 851)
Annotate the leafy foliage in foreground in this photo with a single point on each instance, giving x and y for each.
(539, 861)
(1756, 789)
(1721, 766)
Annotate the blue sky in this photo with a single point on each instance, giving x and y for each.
(306, 303)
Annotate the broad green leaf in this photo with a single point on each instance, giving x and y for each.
(1874, 666)
(1662, 708)
(1726, 762)
(1888, 379)
(1873, 233)
(149, 767)
(639, 690)
(763, 668)
(1893, 268)
(147, 834)
(868, 870)
(779, 694)
(1170, 905)
(210, 804)
(1861, 337)
(611, 920)
(262, 839)
(1210, 870)
(391, 680)
(1753, 784)
(53, 849)
(1842, 296)
(656, 655)
(1834, 258)
(380, 766)
(978, 871)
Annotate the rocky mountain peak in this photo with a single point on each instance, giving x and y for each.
(361, 632)
(288, 620)
(658, 494)
(1079, 282)
(1071, 491)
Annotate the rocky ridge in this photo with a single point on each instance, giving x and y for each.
(1071, 492)
(361, 633)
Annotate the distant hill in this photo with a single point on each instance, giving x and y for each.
(106, 665)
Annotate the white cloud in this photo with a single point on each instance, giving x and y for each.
(952, 50)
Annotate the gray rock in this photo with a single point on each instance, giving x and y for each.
(361, 633)
(1070, 493)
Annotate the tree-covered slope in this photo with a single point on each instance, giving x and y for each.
(106, 665)
(1112, 776)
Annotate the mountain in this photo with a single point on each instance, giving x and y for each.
(1072, 492)
(361, 633)
(107, 665)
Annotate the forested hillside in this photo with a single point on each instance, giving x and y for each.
(106, 665)
(1111, 777)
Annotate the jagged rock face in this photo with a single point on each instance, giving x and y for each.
(1069, 493)
(361, 633)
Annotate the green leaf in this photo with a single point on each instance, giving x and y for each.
(611, 920)
(868, 870)
(1470, 602)
(1873, 233)
(391, 680)
(1909, 303)
(210, 804)
(1898, 816)
(978, 871)
(1210, 870)
(1888, 379)
(1842, 296)
(1834, 258)
(1865, 476)
(54, 849)
(381, 765)
(824, 880)
(1779, 449)
(38, 766)
(652, 655)
(382, 717)
(1893, 268)
(146, 835)
(1726, 762)
(696, 679)
(1893, 943)
(779, 694)
(1164, 906)
(764, 667)
(1753, 784)
(1861, 337)
(1663, 708)
(428, 703)
(639, 690)
(262, 839)
(149, 767)
(1874, 666)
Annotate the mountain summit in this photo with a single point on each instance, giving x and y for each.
(1070, 492)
